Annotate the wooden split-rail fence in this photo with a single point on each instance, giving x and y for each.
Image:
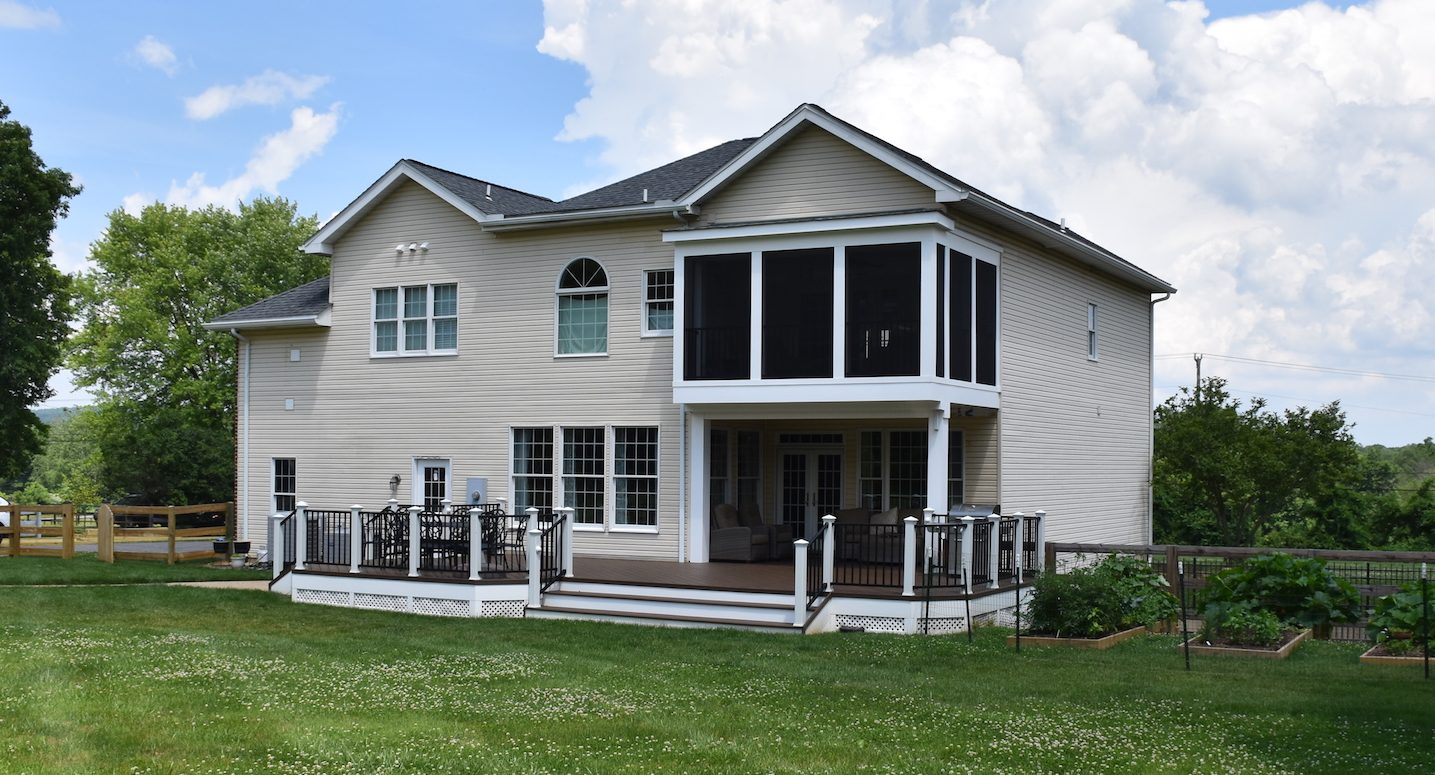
(114, 524)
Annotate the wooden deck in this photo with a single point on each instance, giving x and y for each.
(772, 577)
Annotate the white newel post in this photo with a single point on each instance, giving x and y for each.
(1016, 543)
(502, 504)
(799, 582)
(1040, 540)
(276, 543)
(535, 567)
(393, 504)
(969, 539)
(929, 518)
(829, 551)
(446, 505)
(301, 534)
(995, 549)
(356, 537)
(909, 556)
(475, 543)
(567, 540)
(414, 539)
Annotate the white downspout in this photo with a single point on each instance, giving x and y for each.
(1151, 423)
(243, 519)
(683, 485)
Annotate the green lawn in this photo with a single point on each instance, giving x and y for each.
(171, 680)
(87, 569)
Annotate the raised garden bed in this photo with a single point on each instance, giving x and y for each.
(1379, 655)
(1288, 644)
(1097, 644)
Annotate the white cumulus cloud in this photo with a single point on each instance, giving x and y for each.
(1278, 168)
(277, 157)
(157, 54)
(23, 17)
(270, 87)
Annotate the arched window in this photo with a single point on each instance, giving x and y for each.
(583, 308)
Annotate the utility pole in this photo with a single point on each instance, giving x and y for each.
(1198, 357)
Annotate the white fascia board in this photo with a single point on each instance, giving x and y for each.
(322, 241)
(297, 321)
(1058, 240)
(873, 392)
(943, 189)
(513, 223)
(898, 220)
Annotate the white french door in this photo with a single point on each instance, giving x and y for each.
(811, 486)
(430, 483)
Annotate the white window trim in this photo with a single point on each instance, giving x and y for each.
(657, 479)
(1093, 341)
(560, 292)
(556, 441)
(560, 492)
(274, 475)
(416, 482)
(643, 308)
(430, 351)
(961, 435)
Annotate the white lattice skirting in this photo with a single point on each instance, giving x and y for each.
(894, 624)
(425, 606)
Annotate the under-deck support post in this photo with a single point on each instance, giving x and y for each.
(301, 534)
(356, 537)
(414, 540)
(829, 554)
(799, 582)
(909, 556)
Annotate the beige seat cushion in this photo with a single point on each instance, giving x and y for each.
(725, 516)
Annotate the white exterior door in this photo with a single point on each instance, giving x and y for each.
(431, 483)
(811, 486)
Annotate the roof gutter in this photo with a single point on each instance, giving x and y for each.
(297, 321)
(663, 207)
(1069, 243)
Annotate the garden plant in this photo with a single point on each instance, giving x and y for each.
(1397, 625)
(1118, 593)
(1239, 604)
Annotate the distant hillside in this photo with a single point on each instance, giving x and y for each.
(1414, 463)
(54, 414)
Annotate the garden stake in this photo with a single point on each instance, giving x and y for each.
(1425, 614)
(1185, 639)
(1017, 563)
(971, 625)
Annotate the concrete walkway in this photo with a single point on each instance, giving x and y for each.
(260, 584)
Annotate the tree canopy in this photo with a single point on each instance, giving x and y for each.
(34, 295)
(166, 386)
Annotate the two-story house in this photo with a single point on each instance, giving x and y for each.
(807, 322)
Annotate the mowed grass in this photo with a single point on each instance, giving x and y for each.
(87, 569)
(173, 680)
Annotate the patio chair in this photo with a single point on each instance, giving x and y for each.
(730, 539)
(779, 537)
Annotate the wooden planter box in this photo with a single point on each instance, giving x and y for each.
(1371, 658)
(1236, 651)
(1099, 644)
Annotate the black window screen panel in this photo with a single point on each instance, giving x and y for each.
(797, 313)
(961, 322)
(717, 309)
(884, 310)
(285, 482)
(986, 340)
(941, 311)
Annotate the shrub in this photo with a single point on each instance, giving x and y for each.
(1115, 594)
(1396, 622)
(1299, 591)
(1245, 626)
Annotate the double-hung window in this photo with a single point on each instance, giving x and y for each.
(608, 475)
(583, 480)
(658, 303)
(416, 320)
(635, 477)
(532, 469)
(583, 309)
(285, 484)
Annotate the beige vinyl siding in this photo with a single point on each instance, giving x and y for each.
(1074, 433)
(358, 420)
(815, 174)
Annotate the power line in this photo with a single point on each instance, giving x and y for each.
(1305, 367)
(1343, 404)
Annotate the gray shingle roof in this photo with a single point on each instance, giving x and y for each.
(487, 197)
(307, 300)
(669, 181)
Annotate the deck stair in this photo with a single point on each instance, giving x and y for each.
(667, 606)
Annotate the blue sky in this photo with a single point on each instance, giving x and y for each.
(1276, 161)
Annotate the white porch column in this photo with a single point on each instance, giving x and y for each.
(927, 338)
(829, 546)
(1040, 540)
(475, 543)
(356, 537)
(839, 311)
(938, 447)
(276, 543)
(301, 534)
(799, 582)
(909, 556)
(567, 540)
(414, 539)
(994, 544)
(754, 331)
(697, 487)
